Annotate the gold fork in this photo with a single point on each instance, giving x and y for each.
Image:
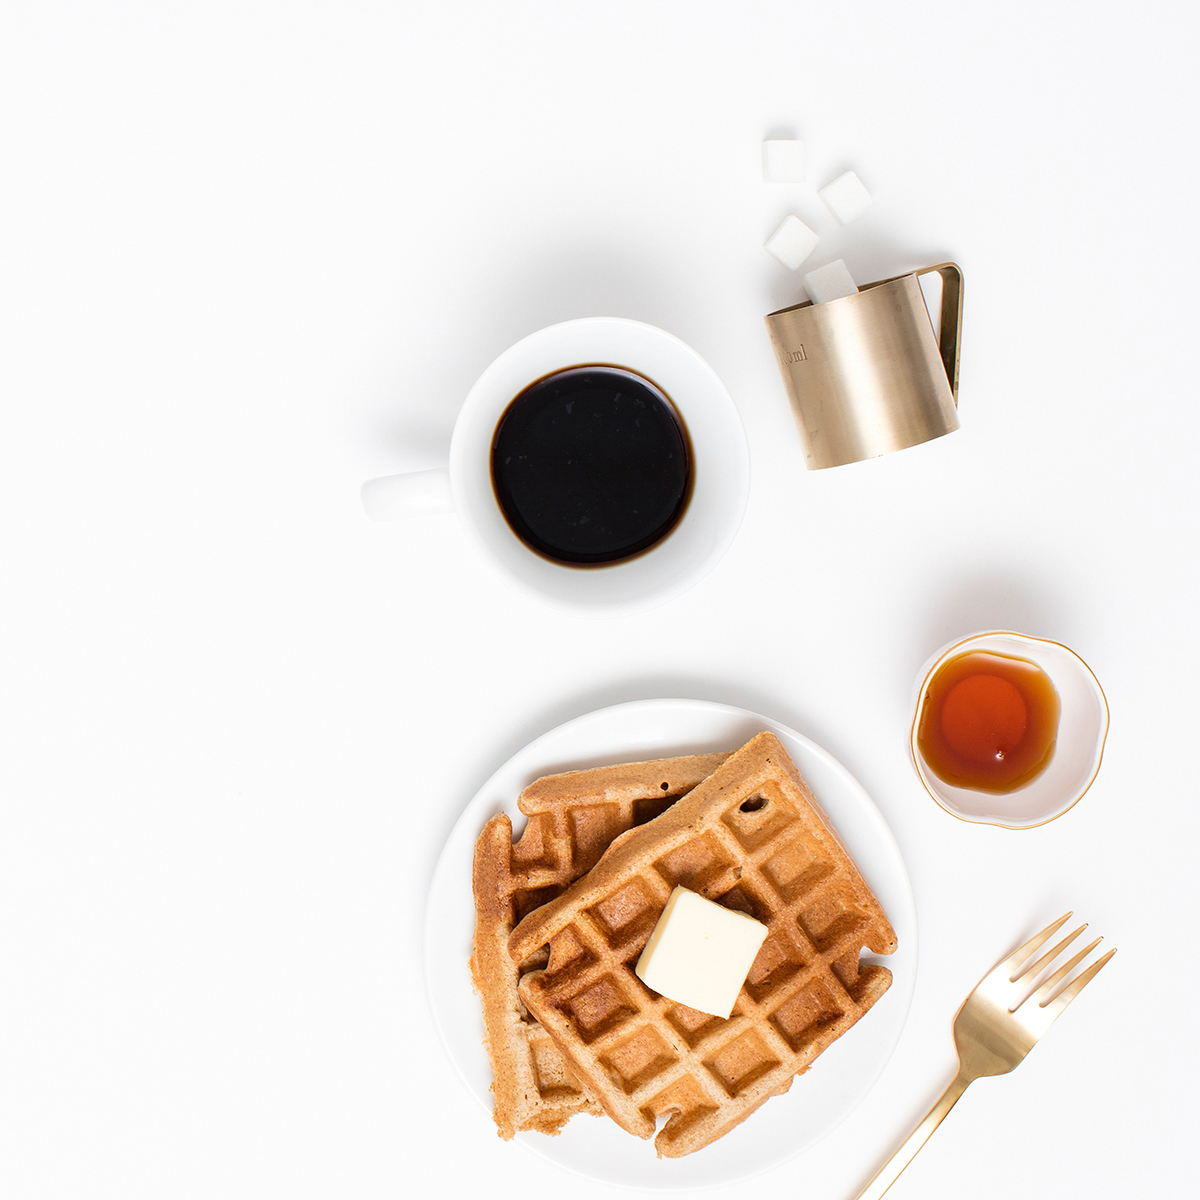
(996, 1027)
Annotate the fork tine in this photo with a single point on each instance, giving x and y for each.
(1043, 993)
(1042, 963)
(1021, 953)
(1055, 1007)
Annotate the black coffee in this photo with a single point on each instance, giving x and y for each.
(591, 465)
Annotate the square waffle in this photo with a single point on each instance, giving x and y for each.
(752, 837)
(573, 818)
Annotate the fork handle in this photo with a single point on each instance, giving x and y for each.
(890, 1171)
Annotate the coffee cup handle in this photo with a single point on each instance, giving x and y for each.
(417, 494)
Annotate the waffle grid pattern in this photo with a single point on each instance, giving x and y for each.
(572, 819)
(645, 1056)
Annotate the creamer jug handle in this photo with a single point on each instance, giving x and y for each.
(950, 337)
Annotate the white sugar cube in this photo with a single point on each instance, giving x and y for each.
(830, 282)
(700, 953)
(846, 197)
(791, 243)
(783, 161)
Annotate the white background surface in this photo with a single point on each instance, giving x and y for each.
(253, 254)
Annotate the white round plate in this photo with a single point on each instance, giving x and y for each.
(818, 1100)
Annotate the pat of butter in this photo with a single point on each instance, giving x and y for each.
(700, 953)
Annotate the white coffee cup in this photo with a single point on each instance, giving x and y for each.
(720, 468)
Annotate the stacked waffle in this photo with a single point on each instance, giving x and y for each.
(563, 915)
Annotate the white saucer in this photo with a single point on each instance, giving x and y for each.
(819, 1100)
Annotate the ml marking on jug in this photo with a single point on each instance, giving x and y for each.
(880, 379)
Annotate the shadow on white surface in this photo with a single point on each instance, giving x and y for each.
(525, 290)
(870, 255)
(992, 600)
(562, 282)
(650, 687)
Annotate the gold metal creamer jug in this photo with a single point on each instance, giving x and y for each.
(865, 373)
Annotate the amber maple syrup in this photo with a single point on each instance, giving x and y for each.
(988, 722)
